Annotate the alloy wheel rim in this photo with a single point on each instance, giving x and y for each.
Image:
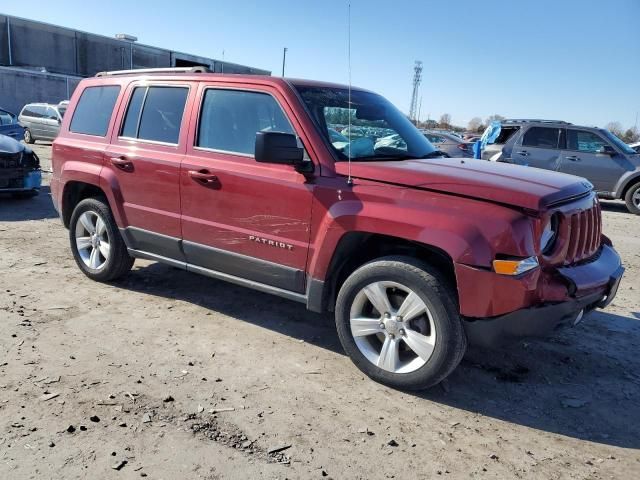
(392, 327)
(92, 240)
(636, 198)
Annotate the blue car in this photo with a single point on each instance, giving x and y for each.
(9, 125)
(20, 172)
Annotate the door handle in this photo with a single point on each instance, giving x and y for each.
(203, 177)
(524, 153)
(123, 163)
(573, 158)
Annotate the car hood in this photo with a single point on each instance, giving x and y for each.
(516, 185)
(10, 146)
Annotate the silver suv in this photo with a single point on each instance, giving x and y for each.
(612, 166)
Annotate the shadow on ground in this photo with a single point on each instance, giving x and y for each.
(19, 209)
(580, 383)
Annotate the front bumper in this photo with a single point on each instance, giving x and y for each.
(590, 285)
(19, 182)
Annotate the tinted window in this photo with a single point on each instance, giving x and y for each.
(94, 109)
(32, 111)
(162, 114)
(230, 119)
(130, 127)
(51, 114)
(541, 137)
(584, 141)
(6, 118)
(505, 134)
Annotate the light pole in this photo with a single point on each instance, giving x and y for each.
(284, 59)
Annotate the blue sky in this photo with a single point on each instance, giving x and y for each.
(573, 60)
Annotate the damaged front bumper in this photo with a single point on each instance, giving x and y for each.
(16, 182)
(553, 299)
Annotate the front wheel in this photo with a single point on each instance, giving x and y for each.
(632, 199)
(28, 138)
(96, 242)
(397, 319)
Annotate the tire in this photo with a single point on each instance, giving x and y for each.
(88, 237)
(632, 199)
(437, 331)
(28, 138)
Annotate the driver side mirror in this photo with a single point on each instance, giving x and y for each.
(278, 147)
(607, 150)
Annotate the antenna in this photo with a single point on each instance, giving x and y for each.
(417, 79)
(349, 179)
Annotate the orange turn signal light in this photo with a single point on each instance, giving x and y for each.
(514, 267)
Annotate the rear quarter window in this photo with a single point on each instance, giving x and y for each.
(94, 109)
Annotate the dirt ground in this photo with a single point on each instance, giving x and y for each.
(182, 377)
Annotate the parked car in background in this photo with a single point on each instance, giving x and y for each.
(636, 146)
(19, 168)
(236, 177)
(612, 166)
(9, 125)
(41, 121)
(450, 144)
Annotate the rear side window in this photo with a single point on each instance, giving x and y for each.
(230, 119)
(155, 113)
(32, 111)
(505, 134)
(94, 110)
(542, 137)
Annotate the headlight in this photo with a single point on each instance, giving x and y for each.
(549, 235)
(515, 267)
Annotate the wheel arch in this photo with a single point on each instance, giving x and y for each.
(354, 249)
(73, 193)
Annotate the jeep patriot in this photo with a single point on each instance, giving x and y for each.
(244, 179)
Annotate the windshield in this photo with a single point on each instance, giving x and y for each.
(379, 131)
(618, 143)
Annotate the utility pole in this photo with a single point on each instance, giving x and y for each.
(417, 79)
(284, 59)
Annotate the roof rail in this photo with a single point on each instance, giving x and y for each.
(154, 70)
(534, 120)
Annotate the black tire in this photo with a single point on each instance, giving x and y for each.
(628, 199)
(434, 290)
(119, 262)
(28, 138)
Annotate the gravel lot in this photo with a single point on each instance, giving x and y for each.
(182, 376)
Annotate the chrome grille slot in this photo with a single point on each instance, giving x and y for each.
(585, 229)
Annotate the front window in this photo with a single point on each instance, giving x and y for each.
(6, 118)
(378, 131)
(618, 143)
(583, 141)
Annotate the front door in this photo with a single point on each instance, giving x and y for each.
(144, 162)
(539, 147)
(240, 217)
(582, 158)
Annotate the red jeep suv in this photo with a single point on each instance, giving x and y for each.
(330, 197)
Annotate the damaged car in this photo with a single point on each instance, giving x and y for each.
(20, 172)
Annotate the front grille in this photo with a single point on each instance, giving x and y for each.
(585, 229)
(10, 160)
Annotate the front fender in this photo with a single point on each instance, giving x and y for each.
(629, 178)
(471, 232)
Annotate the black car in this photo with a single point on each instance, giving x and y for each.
(20, 172)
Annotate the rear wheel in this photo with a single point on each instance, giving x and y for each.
(96, 242)
(397, 319)
(632, 199)
(28, 138)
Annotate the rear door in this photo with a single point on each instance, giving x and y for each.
(539, 147)
(143, 160)
(582, 158)
(241, 217)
